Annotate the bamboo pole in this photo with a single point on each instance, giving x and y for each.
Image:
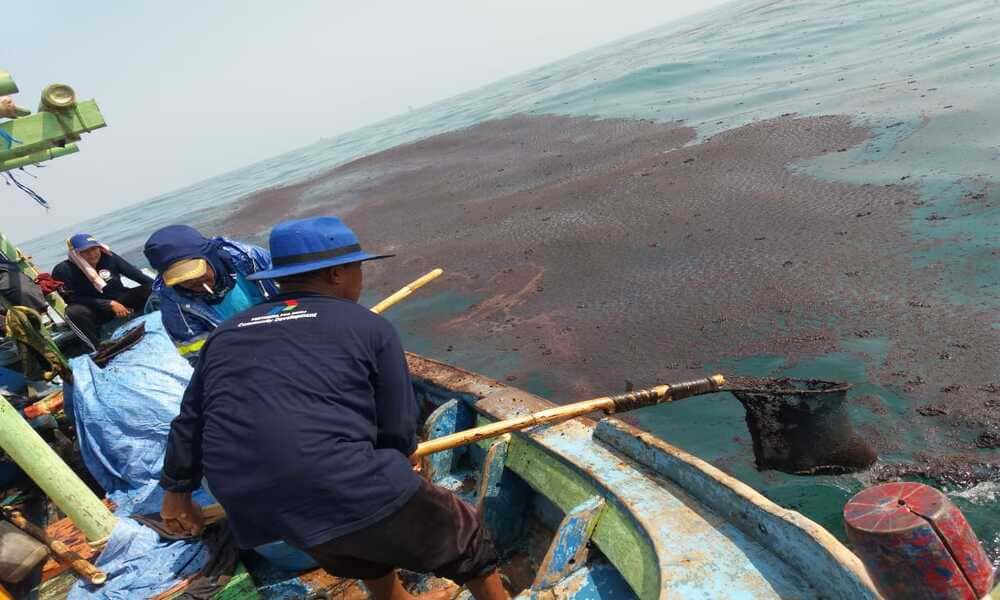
(14, 254)
(37, 157)
(7, 85)
(608, 404)
(58, 548)
(50, 473)
(406, 291)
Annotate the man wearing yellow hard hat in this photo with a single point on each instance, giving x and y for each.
(203, 282)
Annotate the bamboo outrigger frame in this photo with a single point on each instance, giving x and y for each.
(49, 133)
(29, 139)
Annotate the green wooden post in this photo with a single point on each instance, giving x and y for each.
(8, 249)
(50, 473)
(51, 129)
(7, 85)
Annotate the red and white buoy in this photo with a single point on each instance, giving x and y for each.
(916, 544)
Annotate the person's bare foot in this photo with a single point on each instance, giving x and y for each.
(445, 593)
(388, 587)
(488, 587)
(391, 588)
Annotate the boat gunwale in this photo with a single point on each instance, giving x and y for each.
(490, 395)
(479, 389)
(823, 540)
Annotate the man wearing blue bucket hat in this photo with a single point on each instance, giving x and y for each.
(301, 416)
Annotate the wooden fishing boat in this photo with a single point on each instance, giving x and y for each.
(584, 509)
(657, 521)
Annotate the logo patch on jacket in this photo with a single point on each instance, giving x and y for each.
(286, 306)
(286, 311)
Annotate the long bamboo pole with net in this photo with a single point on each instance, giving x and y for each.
(608, 404)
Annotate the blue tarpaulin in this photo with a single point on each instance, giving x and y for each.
(123, 414)
(140, 565)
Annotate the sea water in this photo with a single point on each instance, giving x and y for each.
(923, 75)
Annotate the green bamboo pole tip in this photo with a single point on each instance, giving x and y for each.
(13, 254)
(37, 157)
(7, 85)
(51, 474)
(8, 249)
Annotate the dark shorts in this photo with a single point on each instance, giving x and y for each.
(434, 532)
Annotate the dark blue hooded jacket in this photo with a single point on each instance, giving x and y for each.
(301, 415)
(187, 316)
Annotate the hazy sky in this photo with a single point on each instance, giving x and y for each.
(191, 90)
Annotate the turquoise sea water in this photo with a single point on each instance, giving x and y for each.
(922, 75)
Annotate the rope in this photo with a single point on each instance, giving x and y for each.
(27, 190)
(79, 334)
(11, 140)
(40, 356)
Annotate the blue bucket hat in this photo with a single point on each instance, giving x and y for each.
(82, 241)
(312, 244)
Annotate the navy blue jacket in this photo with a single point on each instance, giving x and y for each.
(187, 316)
(301, 416)
(80, 290)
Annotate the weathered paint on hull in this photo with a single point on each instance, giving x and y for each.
(670, 525)
(674, 526)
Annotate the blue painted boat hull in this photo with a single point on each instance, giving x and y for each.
(670, 525)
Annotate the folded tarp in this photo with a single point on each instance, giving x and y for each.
(140, 565)
(123, 412)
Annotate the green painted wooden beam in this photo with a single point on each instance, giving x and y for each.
(45, 130)
(621, 540)
(51, 474)
(37, 157)
(7, 85)
(13, 253)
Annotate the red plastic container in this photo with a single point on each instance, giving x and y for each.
(916, 544)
